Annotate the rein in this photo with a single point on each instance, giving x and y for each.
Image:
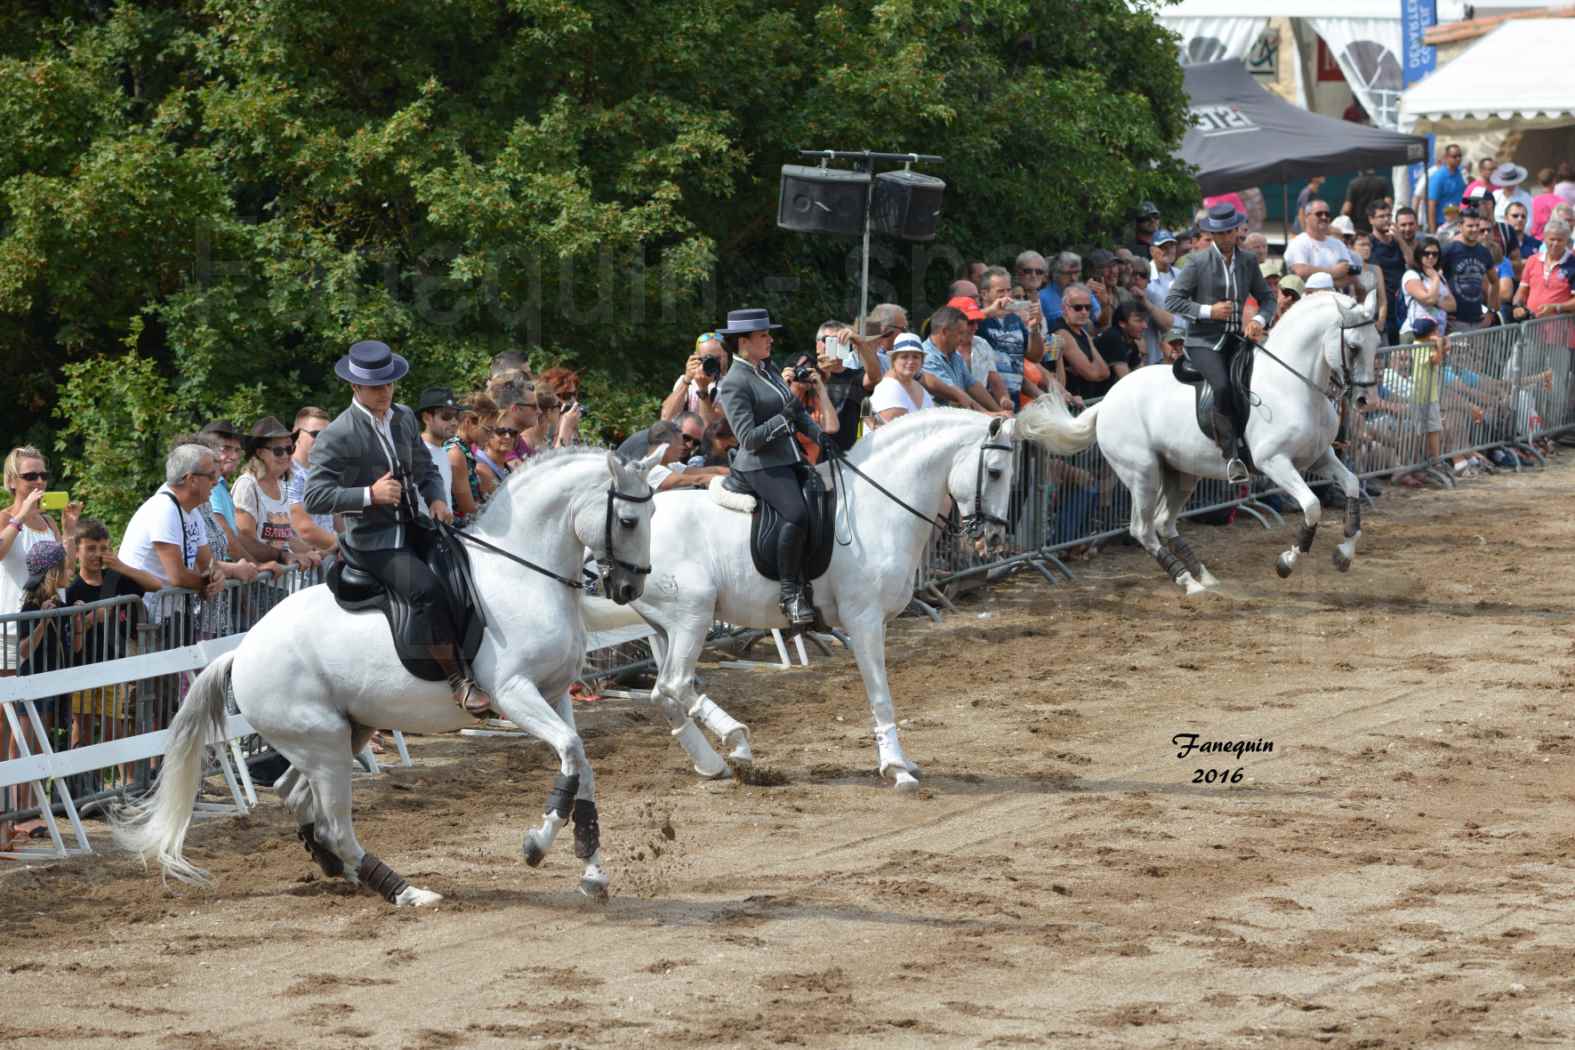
(1343, 380)
(612, 495)
(970, 523)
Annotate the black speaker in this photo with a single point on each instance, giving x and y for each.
(907, 204)
(822, 200)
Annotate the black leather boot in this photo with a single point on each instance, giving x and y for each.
(1225, 437)
(790, 566)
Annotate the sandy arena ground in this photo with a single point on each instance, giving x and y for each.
(1398, 872)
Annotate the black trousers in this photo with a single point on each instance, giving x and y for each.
(783, 488)
(403, 571)
(1216, 366)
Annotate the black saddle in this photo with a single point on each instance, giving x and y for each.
(357, 590)
(1205, 394)
(765, 523)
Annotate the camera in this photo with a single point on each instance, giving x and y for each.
(804, 374)
(711, 365)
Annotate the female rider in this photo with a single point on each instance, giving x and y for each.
(764, 414)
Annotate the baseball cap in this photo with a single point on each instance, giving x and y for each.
(1344, 225)
(969, 308)
(1164, 237)
(1423, 327)
(1319, 282)
(1273, 268)
(1147, 210)
(1176, 335)
(1292, 283)
(1101, 257)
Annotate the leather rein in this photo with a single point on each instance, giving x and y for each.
(612, 496)
(972, 524)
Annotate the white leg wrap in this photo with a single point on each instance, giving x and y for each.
(707, 762)
(889, 751)
(725, 727)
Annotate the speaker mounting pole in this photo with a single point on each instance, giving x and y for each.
(866, 160)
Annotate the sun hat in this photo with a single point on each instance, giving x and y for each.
(1319, 282)
(907, 342)
(371, 363)
(1292, 283)
(1343, 225)
(220, 428)
(1273, 268)
(1508, 175)
(968, 306)
(45, 555)
(1222, 217)
(742, 322)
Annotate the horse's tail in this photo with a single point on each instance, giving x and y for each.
(158, 823)
(1048, 423)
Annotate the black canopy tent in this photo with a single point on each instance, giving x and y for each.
(1244, 136)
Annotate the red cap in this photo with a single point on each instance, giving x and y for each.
(969, 307)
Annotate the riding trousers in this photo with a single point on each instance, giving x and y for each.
(403, 572)
(1215, 366)
(783, 488)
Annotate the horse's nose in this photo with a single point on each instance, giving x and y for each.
(1361, 400)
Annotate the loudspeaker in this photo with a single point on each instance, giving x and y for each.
(907, 204)
(823, 200)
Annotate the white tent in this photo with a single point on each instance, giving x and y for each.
(1529, 115)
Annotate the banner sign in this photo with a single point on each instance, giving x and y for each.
(1417, 59)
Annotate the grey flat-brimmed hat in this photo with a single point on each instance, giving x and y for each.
(1221, 217)
(371, 363)
(1508, 175)
(742, 322)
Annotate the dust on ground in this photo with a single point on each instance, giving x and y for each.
(1397, 871)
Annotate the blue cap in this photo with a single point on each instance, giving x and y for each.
(1164, 237)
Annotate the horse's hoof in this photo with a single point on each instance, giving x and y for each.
(1209, 580)
(410, 897)
(1341, 560)
(534, 854)
(741, 755)
(1283, 566)
(906, 783)
(594, 887)
(1194, 587)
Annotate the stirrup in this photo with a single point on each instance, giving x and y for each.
(1236, 472)
(798, 610)
(465, 693)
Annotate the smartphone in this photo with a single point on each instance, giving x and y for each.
(833, 346)
(55, 500)
(1020, 307)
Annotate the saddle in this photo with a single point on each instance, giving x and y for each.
(1205, 395)
(765, 523)
(357, 590)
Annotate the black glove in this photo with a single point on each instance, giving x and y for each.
(828, 446)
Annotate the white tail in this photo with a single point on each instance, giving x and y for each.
(158, 823)
(1049, 424)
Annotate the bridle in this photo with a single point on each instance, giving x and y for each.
(608, 557)
(1343, 377)
(972, 524)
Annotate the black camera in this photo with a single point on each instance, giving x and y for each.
(804, 374)
(711, 366)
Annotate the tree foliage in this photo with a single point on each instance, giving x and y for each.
(202, 202)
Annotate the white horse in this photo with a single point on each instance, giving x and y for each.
(702, 570)
(313, 679)
(1147, 430)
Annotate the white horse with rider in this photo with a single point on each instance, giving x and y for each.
(892, 487)
(1148, 432)
(313, 679)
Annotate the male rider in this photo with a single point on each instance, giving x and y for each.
(369, 464)
(1211, 291)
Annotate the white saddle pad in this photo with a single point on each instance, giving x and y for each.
(726, 497)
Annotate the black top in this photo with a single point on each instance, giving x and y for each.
(846, 390)
(1115, 349)
(120, 621)
(1075, 384)
(51, 651)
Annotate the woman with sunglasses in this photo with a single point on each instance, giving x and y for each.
(262, 506)
(498, 439)
(23, 526)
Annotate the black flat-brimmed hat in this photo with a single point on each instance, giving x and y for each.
(742, 322)
(371, 363)
(263, 431)
(1221, 217)
(434, 397)
(220, 427)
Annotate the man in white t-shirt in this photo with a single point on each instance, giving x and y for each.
(439, 414)
(1314, 251)
(1507, 179)
(166, 536)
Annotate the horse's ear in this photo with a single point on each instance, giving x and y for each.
(643, 466)
(615, 465)
(1370, 304)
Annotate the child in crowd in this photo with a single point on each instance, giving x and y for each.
(106, 633)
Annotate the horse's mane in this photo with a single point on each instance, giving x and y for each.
(914, 427)
(1308, 315)
(531, 470)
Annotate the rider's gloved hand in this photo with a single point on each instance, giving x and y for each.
(828, 446)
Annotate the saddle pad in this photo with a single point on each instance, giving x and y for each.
(766, 523)
(358, 591)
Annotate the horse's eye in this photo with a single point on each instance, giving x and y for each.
(995, 473)
(628, 523)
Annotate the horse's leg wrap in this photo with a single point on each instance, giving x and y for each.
(1188, 556)
(326, 858)
(380, 877)
(1304, 537)
(1170, 563)
(1353, 516)
(587, 829)
(561, 800)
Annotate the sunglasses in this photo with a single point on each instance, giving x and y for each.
(1032, 271)
(1432, 254)
(448, 417)
(507, 432)
(35, 475)
(310, 433)
(279, 450)
(1319, 214)
(707, 337)
(690, 441)
(1077, 306)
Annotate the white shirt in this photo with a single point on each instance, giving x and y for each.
(981, 361)
(445, 471)
(890, 393)
(1504, 197)
(161, 520)
(1327, 253)
(384, 429)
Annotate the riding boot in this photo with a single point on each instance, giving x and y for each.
(1225, 437)
(790, 566)
(467, 694)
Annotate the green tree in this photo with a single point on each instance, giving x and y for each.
(204, 201)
